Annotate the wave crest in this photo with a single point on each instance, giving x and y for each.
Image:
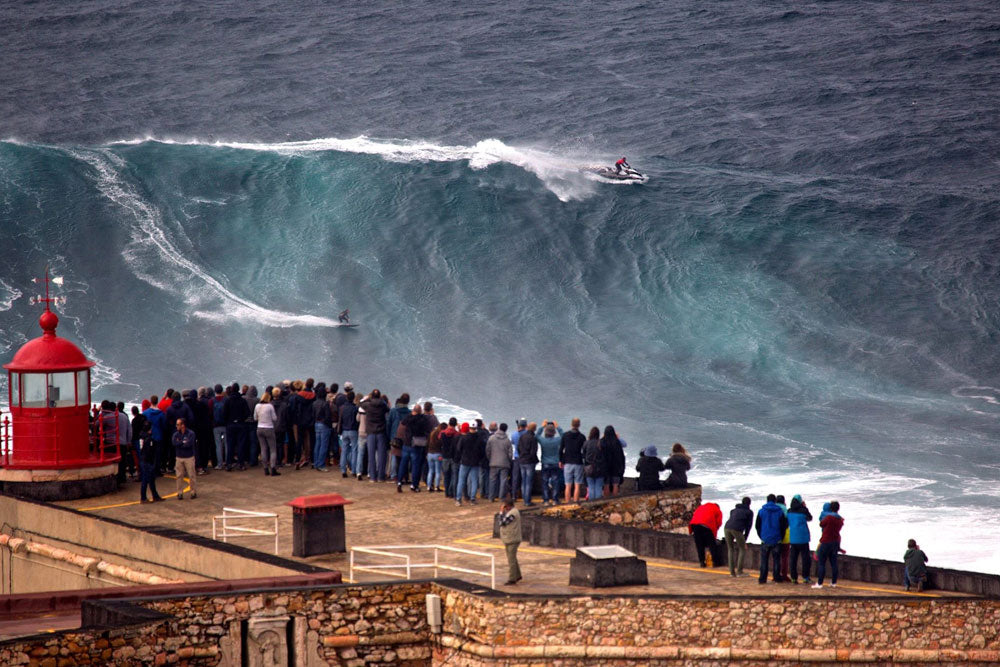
(161, 257)
(568, 177)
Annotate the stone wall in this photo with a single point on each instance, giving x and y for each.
(385, 624)
(337, 625)
(660, 510)
(633, 630)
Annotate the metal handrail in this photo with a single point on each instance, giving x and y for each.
(231, 514)
(409, 565)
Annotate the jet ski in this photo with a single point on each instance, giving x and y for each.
(627, 174)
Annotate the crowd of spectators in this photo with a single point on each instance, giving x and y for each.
(320, 426)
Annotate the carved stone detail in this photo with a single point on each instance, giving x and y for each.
(267, 643)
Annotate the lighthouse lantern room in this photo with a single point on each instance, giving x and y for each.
(50, 451)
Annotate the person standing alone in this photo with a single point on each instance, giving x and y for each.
(185, 444)
(510, 535)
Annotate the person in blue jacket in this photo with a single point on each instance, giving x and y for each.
(771, 526)
(157, 423)
(798, 534)
(549, 437)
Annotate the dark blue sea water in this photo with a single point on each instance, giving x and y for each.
(805, 292)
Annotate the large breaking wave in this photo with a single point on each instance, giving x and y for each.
(769, 324)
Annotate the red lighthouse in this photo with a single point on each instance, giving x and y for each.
(53, 452)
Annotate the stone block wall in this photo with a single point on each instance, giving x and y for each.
(652, 510)
(349, 625)
(385, 624)
(343, 625)
(632, 630)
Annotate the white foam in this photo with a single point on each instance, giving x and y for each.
(990, 395)
(877, 525)
(8, 295)
(445, 409)
(161, 257)
(567, 177)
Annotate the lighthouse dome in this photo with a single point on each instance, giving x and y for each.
(48, 352)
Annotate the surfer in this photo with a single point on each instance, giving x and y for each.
(344, 317)
(622, 163)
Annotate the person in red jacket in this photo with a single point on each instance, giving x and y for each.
(829, 544)
(704, 526)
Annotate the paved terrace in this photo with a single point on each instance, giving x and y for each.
(381, 516)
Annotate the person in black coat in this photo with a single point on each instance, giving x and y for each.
(202, 427)
(376, 412)
(527, 460)
(469, 451)
(234, 414)
(614, 457)
(649, 466)
(147, 463)
(679, 463)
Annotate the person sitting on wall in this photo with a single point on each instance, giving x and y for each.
(649, 467)
(678, 463)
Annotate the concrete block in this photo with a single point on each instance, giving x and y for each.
(606, 566)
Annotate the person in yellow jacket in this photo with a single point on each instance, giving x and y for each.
(510, 535)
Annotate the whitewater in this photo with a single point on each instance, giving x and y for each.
(804, 293)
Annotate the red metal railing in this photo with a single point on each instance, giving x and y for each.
(102, 439)
(44, 452)
(5, 445)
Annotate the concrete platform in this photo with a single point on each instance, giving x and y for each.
(381, 516)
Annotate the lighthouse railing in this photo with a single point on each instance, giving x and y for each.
(42, 441)
(5, 442)
(104, 435)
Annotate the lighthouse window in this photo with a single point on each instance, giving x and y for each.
(62, 390)
(33, 386)
(83, 387)
(15, 387)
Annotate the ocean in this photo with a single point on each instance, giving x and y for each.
(804, 293)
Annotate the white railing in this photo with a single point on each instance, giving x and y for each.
(233, 525)
(405, 563)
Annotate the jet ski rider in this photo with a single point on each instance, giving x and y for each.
(622, 163)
